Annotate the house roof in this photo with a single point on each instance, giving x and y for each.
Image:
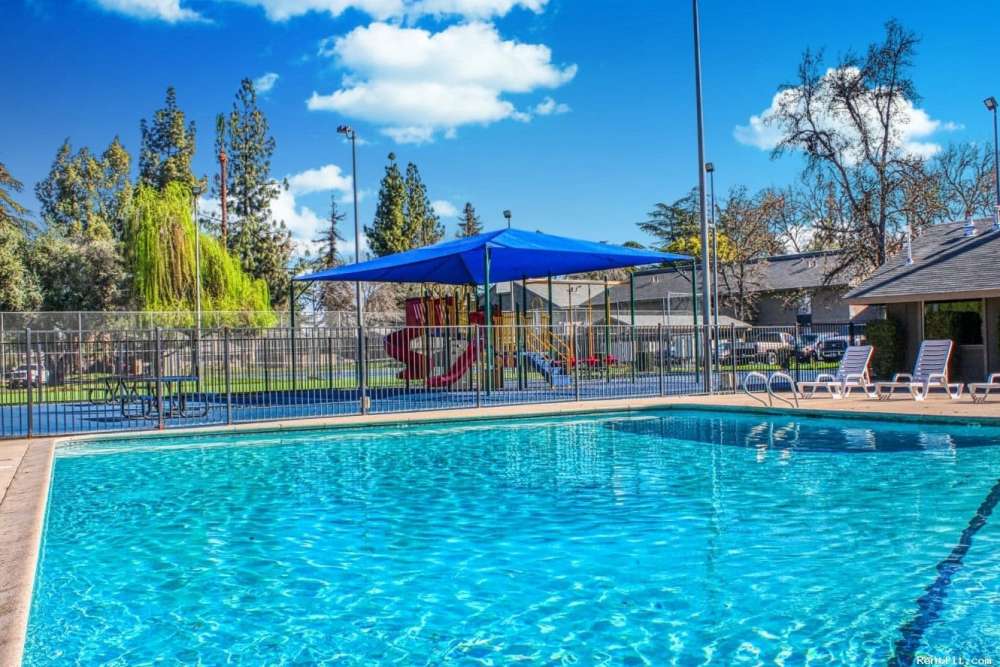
(674, 319)
(946, 265)
(581, 291)
(807, 270)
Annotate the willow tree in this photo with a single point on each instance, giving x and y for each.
(161, 254)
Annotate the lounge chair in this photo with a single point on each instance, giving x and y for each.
(980, 391)
(929, 372)
(851, 374)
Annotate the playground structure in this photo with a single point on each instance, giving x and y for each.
(503, 255)
(444, 338)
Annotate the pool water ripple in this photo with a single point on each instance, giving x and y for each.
(678, 537)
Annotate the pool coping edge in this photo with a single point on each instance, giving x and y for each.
(22, 517)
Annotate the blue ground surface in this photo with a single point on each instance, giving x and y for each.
(85, 417)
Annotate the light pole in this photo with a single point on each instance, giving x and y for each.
(706, 297)
(507, 215)
(195, 193)
(710, 168)
(349, 132)
(991, 104)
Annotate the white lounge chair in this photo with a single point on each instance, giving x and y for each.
(929, 372)
(851, 374)
(980, 391)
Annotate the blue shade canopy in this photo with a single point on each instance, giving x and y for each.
(514, 254)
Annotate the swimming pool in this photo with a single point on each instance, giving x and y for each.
(637, 538)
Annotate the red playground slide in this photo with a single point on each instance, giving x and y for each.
(458, 369)
(398, 346)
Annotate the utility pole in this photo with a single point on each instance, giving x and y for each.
(706, 295)
(223, 226)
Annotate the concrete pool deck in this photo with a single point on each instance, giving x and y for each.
(26, 466)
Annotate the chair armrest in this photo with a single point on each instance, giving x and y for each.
(994, 378)
(825, 377)
(902, 377)
(939, 378)
(861, 378)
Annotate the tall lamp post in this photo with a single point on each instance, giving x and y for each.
(710, 168)
(706, 296)
(349, 132)
(991, 104)
(507, 215)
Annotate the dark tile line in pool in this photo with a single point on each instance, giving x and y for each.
(930, 604)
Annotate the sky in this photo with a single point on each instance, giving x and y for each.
(576, 115)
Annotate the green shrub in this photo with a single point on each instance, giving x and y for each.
(887, 338)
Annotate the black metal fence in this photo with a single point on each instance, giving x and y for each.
(58, 382)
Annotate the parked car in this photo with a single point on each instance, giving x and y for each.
(774, 347)
(833, 348)
(36, 374)
(808, 345)
(744, 351)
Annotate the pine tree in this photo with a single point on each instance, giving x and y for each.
(469, 223)
(423, 227)
(327, 256)
(12, 214)
(263, 245)
(168, 145)
(18, 290)
(388, 233)
(85, 194)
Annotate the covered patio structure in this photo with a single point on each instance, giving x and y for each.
(506, 255)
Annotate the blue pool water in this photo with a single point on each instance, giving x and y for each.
(686, 537)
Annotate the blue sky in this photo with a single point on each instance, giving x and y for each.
(576, 115)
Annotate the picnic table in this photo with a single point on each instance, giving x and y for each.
(136, 395)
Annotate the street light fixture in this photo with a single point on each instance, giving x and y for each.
(350, 134)
(507, 215)
(991, 104)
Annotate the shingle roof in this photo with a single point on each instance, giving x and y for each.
(946, 265)
(806, 270)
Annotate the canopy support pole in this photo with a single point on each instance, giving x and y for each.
(694, 321)
(607, 330)
(551, 334)
(522, 334)
(489, 321)
(631, 308)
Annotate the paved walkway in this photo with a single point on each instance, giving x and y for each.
(25, 468)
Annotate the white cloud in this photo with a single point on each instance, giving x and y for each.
(549, 107)
(264, 83)
(161, 10)
(323, 179)
(416, 83)
(764, 130)
(444, 208)
(171, 11)
(282, 10)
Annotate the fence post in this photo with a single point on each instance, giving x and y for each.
(850, 331)
(228, 375)
(659, 356)
(158, 369)
(795, 351)
(79, 347)
(31, 407)
(576, 361)
(478, 371)
(291, 344)
(362, 370)
(732, 352)
(267, 372)
(329, 360)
